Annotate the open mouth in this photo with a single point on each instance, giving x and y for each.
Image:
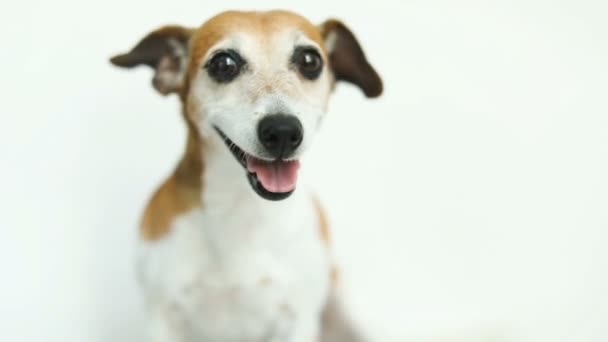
(273, 180)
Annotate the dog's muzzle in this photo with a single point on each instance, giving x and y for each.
(280, 135)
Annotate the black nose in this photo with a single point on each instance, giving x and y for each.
(280, 134)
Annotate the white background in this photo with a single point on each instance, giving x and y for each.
(471, 200)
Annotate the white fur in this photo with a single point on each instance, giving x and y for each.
(236, 107)
(242, 268)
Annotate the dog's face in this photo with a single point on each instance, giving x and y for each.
(261, 81)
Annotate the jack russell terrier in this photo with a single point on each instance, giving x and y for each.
(230, 251)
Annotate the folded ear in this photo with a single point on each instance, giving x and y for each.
(347, 59)
(165, 50)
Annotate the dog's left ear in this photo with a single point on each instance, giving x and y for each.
(166, 51)
(347, 59)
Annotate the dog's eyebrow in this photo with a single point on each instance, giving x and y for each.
(232, 52)
(306, 47)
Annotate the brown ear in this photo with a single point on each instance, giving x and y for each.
(165, 50)
(347, 59)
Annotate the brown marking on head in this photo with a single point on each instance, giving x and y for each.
(262, 24)
(256, 23)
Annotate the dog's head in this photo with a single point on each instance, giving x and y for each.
(259, 80)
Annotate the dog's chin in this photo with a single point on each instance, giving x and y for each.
(272, 180)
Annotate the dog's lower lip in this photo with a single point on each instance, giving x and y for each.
(246, 160)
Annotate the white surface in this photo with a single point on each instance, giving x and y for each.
(471, 200)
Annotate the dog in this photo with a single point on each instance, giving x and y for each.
(230, 249)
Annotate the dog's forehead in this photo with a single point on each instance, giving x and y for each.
(255, 24)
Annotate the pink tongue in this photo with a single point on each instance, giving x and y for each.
(277, 176)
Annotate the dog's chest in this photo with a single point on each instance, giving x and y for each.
(248, 275)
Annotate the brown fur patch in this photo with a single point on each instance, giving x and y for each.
(323, 224)
(178, 194)
(325, 235)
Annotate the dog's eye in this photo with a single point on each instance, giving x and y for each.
(308, 61)
(224, 66)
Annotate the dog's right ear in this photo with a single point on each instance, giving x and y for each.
(166, 51)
